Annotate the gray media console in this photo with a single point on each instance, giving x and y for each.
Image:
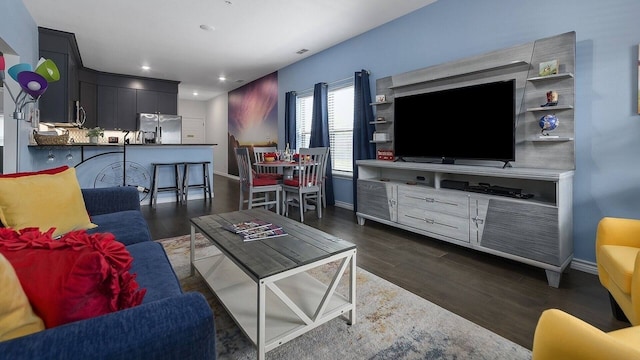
(535, 231)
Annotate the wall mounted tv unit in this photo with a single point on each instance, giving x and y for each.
(475, 122)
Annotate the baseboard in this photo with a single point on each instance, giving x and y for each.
(585, 266)
(344, 205)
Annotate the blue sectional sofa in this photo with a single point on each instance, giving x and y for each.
(169, 324)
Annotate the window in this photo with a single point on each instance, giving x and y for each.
(340, 104)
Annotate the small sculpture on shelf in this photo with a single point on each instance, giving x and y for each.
(552, 99)
(548, 123)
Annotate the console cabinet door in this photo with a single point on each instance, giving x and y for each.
(378, 199)
(440, 212)
(523, 229)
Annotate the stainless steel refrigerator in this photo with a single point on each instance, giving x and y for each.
(163, 128)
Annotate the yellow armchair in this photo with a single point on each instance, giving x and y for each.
(559, 335)
(617, 249)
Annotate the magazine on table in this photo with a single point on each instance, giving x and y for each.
(255, 229)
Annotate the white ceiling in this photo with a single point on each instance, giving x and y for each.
(252, 38)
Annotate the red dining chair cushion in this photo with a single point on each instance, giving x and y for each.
(264, 181)
(296, 182)
(269, 176)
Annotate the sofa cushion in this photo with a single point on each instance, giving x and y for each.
(154, 271)
(16, 315)
(128, 227)
(44, 201)
(76, 277)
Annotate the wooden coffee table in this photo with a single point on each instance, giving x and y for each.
(265, 285)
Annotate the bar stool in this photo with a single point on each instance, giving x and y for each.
(206, 181)
(155, 189)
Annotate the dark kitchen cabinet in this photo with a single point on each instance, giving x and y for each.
(149, 101)
(57, 103)
(126, 109)
(88, 102)
(107, 111)
(116, 108)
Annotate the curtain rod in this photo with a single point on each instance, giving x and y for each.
(310, 90)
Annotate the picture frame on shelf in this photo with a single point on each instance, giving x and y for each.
(548, 68)
(381, 98)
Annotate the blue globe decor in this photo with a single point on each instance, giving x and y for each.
(548, 123)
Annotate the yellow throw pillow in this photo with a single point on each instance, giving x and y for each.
(44, 201)
(16, 315)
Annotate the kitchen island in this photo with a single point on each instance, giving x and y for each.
(104, 164)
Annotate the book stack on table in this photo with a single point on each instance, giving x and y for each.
(256, 229)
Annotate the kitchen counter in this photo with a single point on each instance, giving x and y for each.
(104, 164)
(118, 144)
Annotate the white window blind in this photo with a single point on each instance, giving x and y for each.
(340, 104)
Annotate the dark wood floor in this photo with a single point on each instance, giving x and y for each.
(503, 296)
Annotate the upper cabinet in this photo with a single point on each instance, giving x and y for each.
(108, 100)
(150, 101)
(57, 105)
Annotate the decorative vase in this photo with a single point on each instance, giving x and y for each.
(93, 139)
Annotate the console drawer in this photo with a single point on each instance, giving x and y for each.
(441, 201)
(451, 226)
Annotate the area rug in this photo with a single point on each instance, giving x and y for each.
(391, 323)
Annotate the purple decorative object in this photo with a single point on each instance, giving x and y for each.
(32, 83)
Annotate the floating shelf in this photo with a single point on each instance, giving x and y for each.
(510, 64)
(379, 141)
(551, 108)
(551, 77)
(552, 139)
(380, 103)
(380, 122)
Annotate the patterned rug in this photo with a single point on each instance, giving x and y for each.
(391, 323)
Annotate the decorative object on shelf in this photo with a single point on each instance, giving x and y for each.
(548, 123)
(385, 155)
(93, 134)
(552, 99)
(113, 139)
(380, 119)
(548, 68)
(381, 98)
(32, 83)
(380, 136)
(51, 139)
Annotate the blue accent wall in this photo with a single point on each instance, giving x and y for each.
(607, 179)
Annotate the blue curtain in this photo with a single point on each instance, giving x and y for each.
(290, 120)
(319, 136)
(362, 127)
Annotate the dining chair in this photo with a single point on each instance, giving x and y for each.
(259, 156)
(311, 197)
(307, 181)
(255, 185)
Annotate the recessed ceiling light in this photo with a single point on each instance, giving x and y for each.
(146, 67)
(207, 27)
(195, 93)
(222, 78)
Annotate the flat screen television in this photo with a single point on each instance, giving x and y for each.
(472, 122)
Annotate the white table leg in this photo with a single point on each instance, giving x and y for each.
(261, 338)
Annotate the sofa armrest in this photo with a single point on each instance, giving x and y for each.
(559, 335)
(110, 199)
(179, 327)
